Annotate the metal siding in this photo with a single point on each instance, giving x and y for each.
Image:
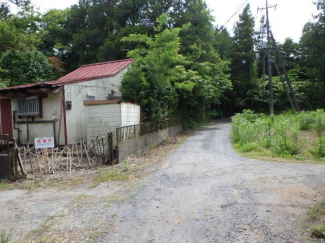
(104, 118)
(101, 119)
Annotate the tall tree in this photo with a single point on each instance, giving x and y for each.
(313, 52)
(243, 59)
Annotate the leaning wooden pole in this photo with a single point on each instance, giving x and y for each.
(295, 101)
(284, 87)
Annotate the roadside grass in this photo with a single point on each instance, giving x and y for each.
(109, 175)
(287, 137)
(316, 220)
(4, 238)
(6, 185)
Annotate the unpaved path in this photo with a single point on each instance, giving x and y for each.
(208, 193)
(204, 192)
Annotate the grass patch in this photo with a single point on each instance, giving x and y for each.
(318, 231)
(4, 238)
(317, 212)
(249, 147)
(315, 222)
(109, 175)
(293, 137)
(6, 185)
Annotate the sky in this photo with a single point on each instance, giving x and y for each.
(287, 20)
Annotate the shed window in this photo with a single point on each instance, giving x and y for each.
(29, 106)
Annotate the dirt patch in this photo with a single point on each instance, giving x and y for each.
(33, 208)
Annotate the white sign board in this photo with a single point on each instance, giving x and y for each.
(42, 143)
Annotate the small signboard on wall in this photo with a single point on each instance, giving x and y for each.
(42, 143)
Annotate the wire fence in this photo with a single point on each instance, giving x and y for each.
(126, 133)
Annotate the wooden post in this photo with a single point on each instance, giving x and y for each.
(87, 155)
(81, 151)
(37, 159)
(20, 160)
(286, 75)
(30, 158)
(25, 163)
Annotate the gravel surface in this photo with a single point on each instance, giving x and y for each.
(206, 192)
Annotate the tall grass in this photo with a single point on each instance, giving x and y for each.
(280, 134)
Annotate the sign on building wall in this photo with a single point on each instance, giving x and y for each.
(41, 143)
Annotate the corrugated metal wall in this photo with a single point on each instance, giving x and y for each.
(130, 114)
(104, 118)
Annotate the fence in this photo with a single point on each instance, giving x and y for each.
(124, 134)
(64, 158)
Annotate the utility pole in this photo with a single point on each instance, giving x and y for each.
(269, 58)
(293, 94)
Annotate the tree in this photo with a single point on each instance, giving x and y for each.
(156, 61)
(167, 83)
(23, 67)
(243, 60)
(312, 45)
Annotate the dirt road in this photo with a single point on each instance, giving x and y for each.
(204, 192)
(208, 193)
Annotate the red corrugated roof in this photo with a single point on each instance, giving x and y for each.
(94, 71)
(84, 73)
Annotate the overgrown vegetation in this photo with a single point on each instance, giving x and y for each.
(184, 65)
(316, 216)
(288, 135)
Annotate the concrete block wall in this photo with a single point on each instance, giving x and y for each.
(142, 144)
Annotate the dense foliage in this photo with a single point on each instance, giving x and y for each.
(184, 65)
(288, 135)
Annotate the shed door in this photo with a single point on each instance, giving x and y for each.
(6, 119)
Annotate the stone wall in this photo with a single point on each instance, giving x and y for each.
(144, 143)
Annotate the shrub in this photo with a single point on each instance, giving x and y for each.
(320, 150)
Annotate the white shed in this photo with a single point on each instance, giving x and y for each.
(106, 115)
(55, 108)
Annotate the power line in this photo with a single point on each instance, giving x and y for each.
(240, 7)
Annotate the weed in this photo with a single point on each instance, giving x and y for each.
(5, 185)
(317, 211)
(3, 237)
(318, 231)
(248, 147)
(280, 134)
(320, 150)
(126, 167)
(109, 175)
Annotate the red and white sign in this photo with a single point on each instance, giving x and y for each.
(41, 143)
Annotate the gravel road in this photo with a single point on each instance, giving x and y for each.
(206, 192)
